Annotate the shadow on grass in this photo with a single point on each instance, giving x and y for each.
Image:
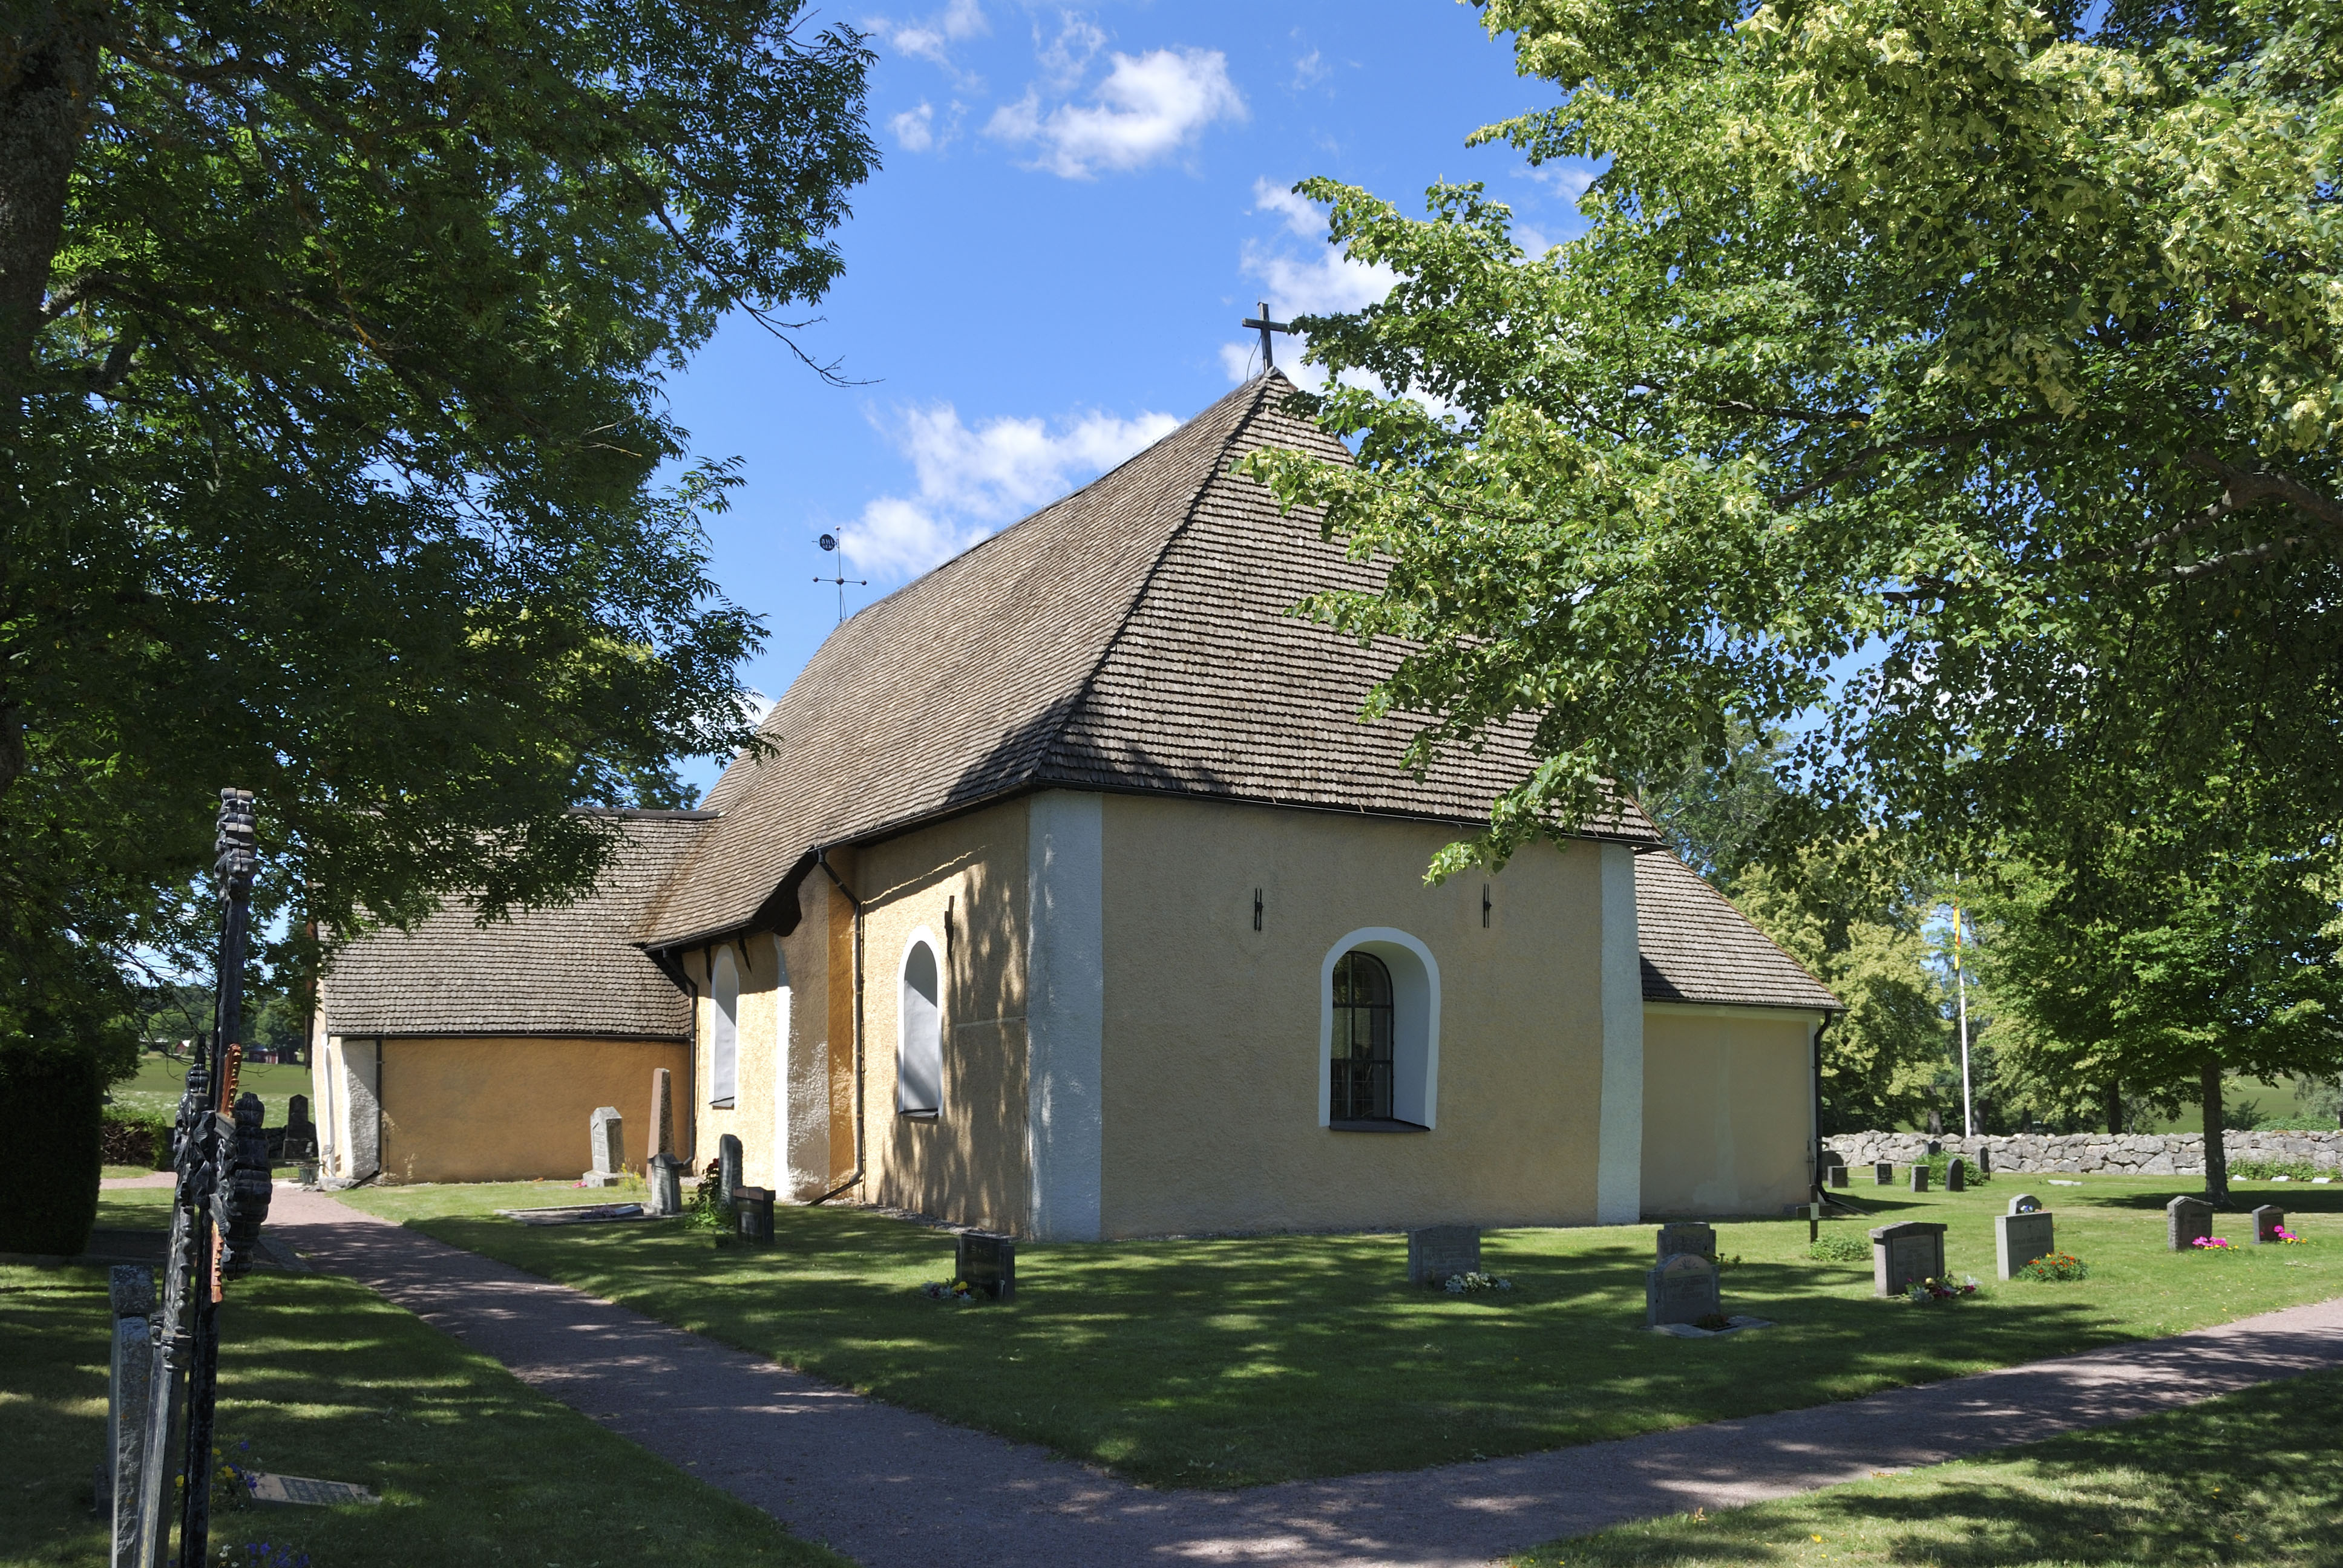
(1237, 1361)
(2253, 1478)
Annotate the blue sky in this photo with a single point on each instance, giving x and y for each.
(1077, 207)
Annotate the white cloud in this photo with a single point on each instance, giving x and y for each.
(1310, 70)
(1321, 281)
(916, 128)
(1567, 180)
(1149, 108)
(931, 39)
(1069, 53)
(1299, 213)
(970, 481)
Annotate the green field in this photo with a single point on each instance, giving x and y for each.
(1236, 1362)
(156, 1089)
(2253, 1478)
(320, 1377)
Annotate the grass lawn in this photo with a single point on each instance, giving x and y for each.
(1236, 1362)
(2254, 1478)
(156, 1088)
(320, 1377)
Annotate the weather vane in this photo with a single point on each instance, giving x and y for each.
(1262, 324)
(829, 542)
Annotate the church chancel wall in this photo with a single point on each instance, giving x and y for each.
(1216, 1061)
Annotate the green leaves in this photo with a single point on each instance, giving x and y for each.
(337, 459)
(1958, 383)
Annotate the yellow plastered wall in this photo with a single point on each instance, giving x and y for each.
(963, 882)
(1728, 1103)
(756, 1058)
(510, 1109)
(1211, 1064)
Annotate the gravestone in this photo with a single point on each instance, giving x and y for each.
(2023, 1203)
(1681, 1288)
(665, 1177)
(2185, 1219)
(607, 1132)
(1838, 1175)
(1883, 1172)
(1687, 1236)
(2268, 1220)
(1436, 1252)
(2019, 1237)
(1957, 1177)
(1919, 1178)
(752, 1208)
(662, 1129)
(1935, 1148)
(300, 1133)
(130, 1287)
(1906, 1253)
(1985, 1158)
(727, 1166)
(987, 1263)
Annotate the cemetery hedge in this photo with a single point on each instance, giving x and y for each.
(1235, 1362)
(48, 1183)
(322, 1377)
(130, 1139)
(2250, 1478)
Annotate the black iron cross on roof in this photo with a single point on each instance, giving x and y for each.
(1265, 325)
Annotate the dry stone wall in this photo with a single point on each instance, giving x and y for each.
(2122, 1153)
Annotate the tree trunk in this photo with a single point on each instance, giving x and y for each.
(2115, 1106)
(2216, 1162)
(49, 73)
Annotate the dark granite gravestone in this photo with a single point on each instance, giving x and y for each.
(1919, 1178)
(1681, 1290)
(986, 1263)
(1687, 1236)
(665, 1178)
(1985, 1158)
(606, 1130)
(1838, 1175)
(2019, 1238)
(1883, 1172)
(1903, 1254)
(2023, 1203)
(727, 1166)
(2268, 1220)
(1935, 1148)
(1956, 1176)
(1437, 1252)
(300, 1132)
(2185, 1219)
(753, 1209)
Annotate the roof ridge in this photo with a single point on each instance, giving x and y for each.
(1040, 768)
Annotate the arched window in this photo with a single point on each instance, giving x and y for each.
(919, 1032)
(1379, 1034)
(1362, 1065)
(724, 1036)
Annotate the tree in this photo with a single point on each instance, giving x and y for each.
(2179, 982)
(1996, 349)
(333, 457)
(1855, 914)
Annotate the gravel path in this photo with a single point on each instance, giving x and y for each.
(894, 1489)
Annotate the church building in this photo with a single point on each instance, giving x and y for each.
(1067, 895)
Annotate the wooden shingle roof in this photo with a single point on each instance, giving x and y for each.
(1697, 947)
(1135, 636)
(571, 970)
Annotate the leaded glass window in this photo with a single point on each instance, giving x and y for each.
(1362, 1056)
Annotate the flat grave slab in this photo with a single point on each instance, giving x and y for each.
(574, 1214)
